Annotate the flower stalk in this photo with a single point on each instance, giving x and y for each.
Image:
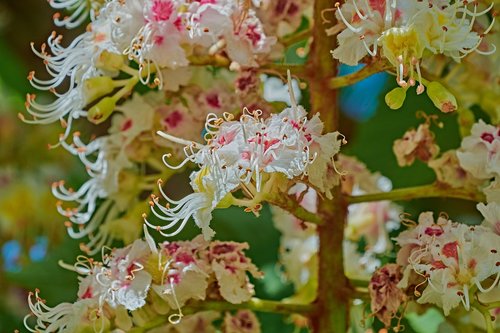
(418, 192)
(332, 312)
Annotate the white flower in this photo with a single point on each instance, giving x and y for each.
(404, 29)
(491, 214)
(65, 317)
(230, 266)
(122, 279)
(247, 154)
(454, 259)
(479, 153)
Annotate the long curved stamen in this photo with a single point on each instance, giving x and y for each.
(348, 25)
(490, 288)
(370, 52)
(175, 318)
(464, 297)
(358, 12)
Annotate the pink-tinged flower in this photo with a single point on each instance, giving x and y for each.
(491, 214)
(130, 122)
(403, 30)
(185, 272)
(248, 154)
(243, 321)
(120, 279)
(479, 153)
(64, 317)
(283, 17)
(386, 297)
(449, 172)
(416, 144)
(452, 258)
(230, 266)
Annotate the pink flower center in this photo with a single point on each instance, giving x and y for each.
(162, 10)
(488, 137)
(253, 34)
(87, 293)
(173, 119)
(126, 125)
(450, 250)
(433, 231)
(158, 39)
(213, 100)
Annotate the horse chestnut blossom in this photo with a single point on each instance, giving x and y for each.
(405, 31)
(386, 297)
(158, 35)
(416, 144)
(190, 83)
(448, 262)
(176, 272)
(250, 154)
(480, 152)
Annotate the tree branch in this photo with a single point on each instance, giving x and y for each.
(254, 304)
(291, 206)
(349, 79)
(426, 191)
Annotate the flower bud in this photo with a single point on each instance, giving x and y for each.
(441, 97)
(110, 61)
(102, 110)
(395, 98)
(97, 87)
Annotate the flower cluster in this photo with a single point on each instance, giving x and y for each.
(250, 154)
(157, 36)
(452, 262)
(114, 162)
(405, 31)
(416, 144)
(144, 275)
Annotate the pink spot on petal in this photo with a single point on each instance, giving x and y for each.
(173, 119)
(126, 125)
(433, 231)
(162, 10)
(158, 39)
(450, 250)
(87, 293)
(213, 100)
(488, 137)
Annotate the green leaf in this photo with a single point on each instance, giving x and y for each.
(426, 323)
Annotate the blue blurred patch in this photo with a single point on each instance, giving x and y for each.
(11, 252)
(360, 101)
(39, 250)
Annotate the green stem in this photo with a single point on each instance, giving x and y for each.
(487, 317)
(425, 191)
(291, 206)
(368, 70)
(254, 304)
(295, 38)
